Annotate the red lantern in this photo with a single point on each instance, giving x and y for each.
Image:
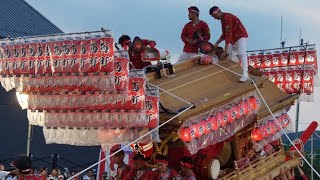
(252, 103)
(206, 126)
(198, 129)
(239, 111)
(233, 113)
(271, 127)
(213, 122)
(243, 108)
(286, 120)
(185, 134)
(263, 130)
(275, 126)
(219, 119)
(225, 117)
(256, 135)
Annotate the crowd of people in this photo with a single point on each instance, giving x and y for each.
(138, 171)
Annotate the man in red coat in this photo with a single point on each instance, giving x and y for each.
(123, 169)
(163, 172)
(140, 170)
(193, 33)
(235, 36)
(135, 57)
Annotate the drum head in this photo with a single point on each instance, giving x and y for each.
(214, 169)
(225, 155)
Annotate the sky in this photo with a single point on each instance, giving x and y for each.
(163, 20)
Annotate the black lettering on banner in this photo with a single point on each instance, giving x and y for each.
(65, 49)
(135, 100)
(73, 62)
(57, 50)
(22, 64)
(74, 49)
(83, 49)
(93, 61)
(118, 66)
(47, 65)
(233, 115)
(225, 119)
(94, 47)
(40, 51)
(64, 62)
(23, 52)
(31, 64)
(149, 117)
(32, 52)
(15, 53)
(14, 65)
(117, 80)
(241, 111)
(48, 50)
(135, 86)
(56, 63)
(82, 62)
(6, 65)
(38, 64)
(8, 53)
(104, 47)
(102, 61)
(149, 105)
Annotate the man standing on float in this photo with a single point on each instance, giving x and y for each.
(193, 33)
(235, 36)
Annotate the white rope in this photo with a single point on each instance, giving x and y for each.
(189, 107)
(273, 118)
(317, 134)
(170, 93)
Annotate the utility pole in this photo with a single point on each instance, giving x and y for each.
(54, 161)
(29, 139)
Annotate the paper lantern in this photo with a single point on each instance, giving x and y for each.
(239, 110)
(263, 130)
(185, 135)
(213, 122)
(256, 135)
(243, 108)
(219, 119)
(233, 113)
(198, 129)
(207, 127)
(286, 120)
(252, 104)
(225, 117)
(271, 129)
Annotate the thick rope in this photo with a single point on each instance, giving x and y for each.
(273, 117)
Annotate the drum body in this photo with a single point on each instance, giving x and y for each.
(206, 167)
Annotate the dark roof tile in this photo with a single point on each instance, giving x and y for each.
(18, 18)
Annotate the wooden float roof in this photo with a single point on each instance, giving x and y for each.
(197, 83)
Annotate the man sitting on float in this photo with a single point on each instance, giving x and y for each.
(134, 50)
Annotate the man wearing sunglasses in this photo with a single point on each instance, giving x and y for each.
(193, 33)
(235, 36)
